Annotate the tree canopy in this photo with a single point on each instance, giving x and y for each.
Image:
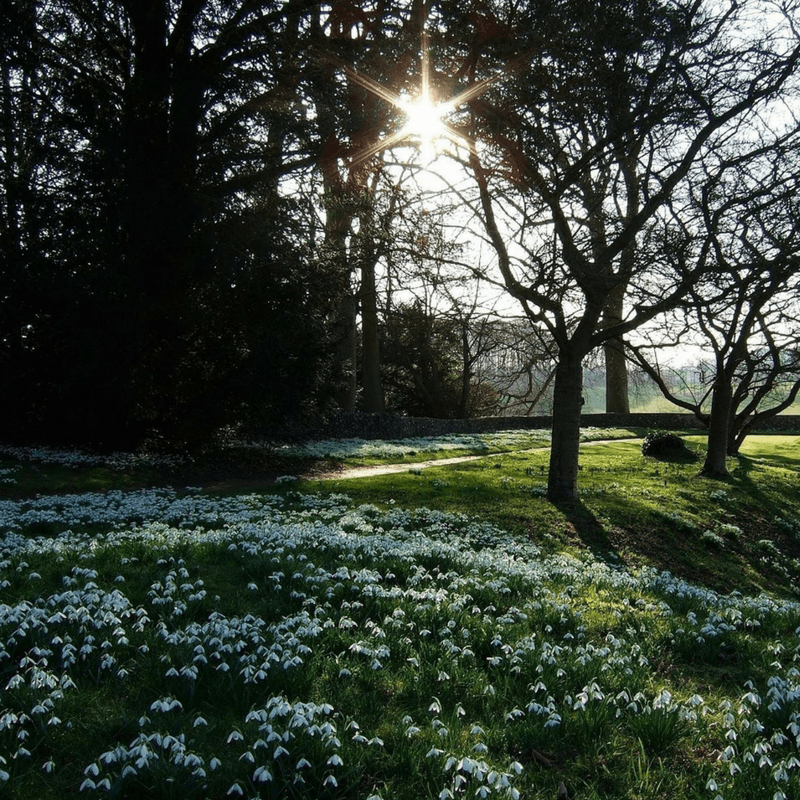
(206, 203)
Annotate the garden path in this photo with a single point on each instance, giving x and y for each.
(389, 469)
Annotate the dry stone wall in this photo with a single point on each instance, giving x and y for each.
(388, 426)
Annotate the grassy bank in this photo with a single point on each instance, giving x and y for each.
(741, 533)
(439, 633)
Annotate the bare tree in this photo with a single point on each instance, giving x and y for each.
(520, 366)
(746, 310)
(582, 158)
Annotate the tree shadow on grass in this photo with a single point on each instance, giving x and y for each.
(744, 475)
(591, 532)
(645, 539)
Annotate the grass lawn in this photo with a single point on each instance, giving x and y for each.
(436, 633)
(632, 510)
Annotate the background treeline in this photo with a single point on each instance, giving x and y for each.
(154, 279)
(202, 228)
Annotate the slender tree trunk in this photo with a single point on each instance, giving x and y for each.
(466, 373)
(345, 332)
(567, 400)
(719, 428)
(617, 401)
(371, 359)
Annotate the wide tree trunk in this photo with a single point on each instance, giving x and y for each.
(146, 323)
(338, 217)
(617, 401)
(567, 400)
(737, 433)
(719, 428)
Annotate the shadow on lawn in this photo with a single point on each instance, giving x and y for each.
(770, 504)
(642, 540)
(591, 532)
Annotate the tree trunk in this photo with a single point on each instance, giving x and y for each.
(617, 401)
(345, 333)
(567, 400)
(466, 373)
(338, 217)
(737, 433)
(371, 359)
(719, 427)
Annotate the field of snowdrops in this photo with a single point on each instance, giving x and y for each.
(175, 644)
(365, 450)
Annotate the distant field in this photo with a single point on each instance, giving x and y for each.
(646, 402)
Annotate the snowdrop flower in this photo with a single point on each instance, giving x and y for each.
(262, 775)
(166, 704)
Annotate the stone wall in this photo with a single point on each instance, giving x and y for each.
(388, 426)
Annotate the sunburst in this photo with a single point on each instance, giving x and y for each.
(426, 119)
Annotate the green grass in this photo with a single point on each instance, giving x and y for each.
(632, 509)
(408, 636)
(360, 452)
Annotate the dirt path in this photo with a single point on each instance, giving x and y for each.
(388, 469)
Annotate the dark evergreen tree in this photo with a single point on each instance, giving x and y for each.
(153, 264)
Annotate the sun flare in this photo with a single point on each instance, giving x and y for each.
(425, 123)
(426, 120)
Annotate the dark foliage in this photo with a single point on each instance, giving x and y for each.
(157, 284)
(426, 370)
(666, 446)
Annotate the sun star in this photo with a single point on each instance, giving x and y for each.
(425, 123)
(426, 119)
